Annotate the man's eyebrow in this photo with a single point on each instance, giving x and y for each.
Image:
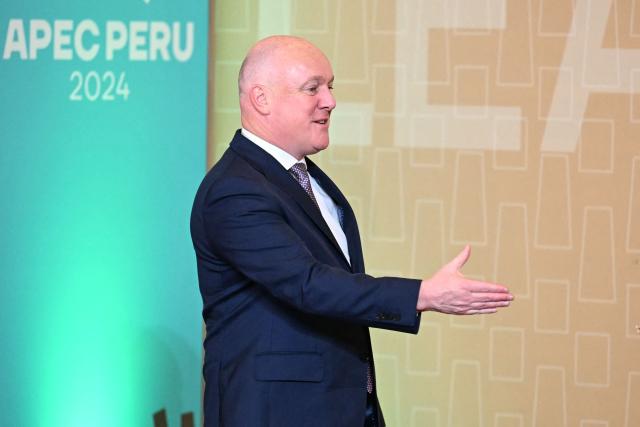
(316, 79)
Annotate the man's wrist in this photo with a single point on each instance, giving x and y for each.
(423, 302)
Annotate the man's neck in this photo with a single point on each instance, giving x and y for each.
(282, 156)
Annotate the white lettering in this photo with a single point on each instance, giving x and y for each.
(39, 36)
(116, 37)
(62, 40)
(159, 38)
(591, 69)
(138, 40)
(183, 55)
(15, 41)
(84, 26)
(66, 39)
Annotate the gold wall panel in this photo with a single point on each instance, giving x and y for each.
(513, 125)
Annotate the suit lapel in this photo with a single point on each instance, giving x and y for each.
(350, 225)
(273, 171)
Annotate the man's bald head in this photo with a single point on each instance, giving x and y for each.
(286, 97)
(267, 57)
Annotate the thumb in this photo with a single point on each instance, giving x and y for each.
(460, 259)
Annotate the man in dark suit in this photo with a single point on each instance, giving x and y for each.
(287, 303)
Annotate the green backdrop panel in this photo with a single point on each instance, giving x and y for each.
(102, 133)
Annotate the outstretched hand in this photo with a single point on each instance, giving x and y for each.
(448, 291)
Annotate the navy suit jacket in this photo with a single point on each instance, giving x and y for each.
(287, 340)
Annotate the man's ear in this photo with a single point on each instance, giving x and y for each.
(260, 97)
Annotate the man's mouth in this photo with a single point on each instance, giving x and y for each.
(322, 122)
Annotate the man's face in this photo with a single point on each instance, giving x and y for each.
(302, 102)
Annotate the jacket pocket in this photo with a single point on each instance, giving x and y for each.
(289, 366)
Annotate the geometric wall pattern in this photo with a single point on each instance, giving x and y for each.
(512, 125)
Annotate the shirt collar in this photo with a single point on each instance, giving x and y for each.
(284, 158)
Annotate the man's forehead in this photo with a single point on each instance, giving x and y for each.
(290, 61)
(305, 68)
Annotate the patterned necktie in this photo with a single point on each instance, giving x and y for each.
(299, 172)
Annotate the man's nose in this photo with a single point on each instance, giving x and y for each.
(327, 101)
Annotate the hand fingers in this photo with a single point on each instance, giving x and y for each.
(460, 259)
(486, 308)
(492, 297)
(476, 286)
(484, 311)
(490, 304)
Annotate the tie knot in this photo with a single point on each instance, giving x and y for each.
(299, 168)
(299, 171)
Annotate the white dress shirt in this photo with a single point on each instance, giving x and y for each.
(328, 208)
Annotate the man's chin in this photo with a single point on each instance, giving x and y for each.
(321, 145)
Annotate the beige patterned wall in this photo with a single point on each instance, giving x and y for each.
(512, 125)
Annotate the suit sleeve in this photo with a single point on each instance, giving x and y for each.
(245, 226)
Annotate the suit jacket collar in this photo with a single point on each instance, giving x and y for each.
(350, 225)
(273, 171)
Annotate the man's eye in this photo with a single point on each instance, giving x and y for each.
(312, 89)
